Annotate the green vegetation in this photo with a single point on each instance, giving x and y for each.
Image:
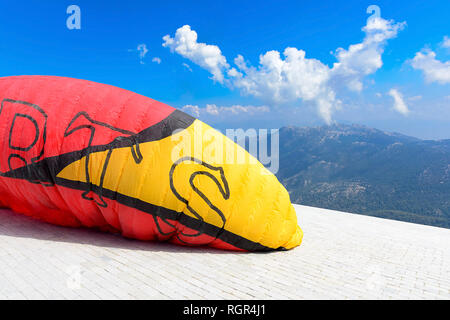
(367, 171)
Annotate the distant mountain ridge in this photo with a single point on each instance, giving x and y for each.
(358, 169)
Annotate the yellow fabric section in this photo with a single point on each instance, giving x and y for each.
(257, 208)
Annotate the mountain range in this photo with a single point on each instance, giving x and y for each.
(362, 170)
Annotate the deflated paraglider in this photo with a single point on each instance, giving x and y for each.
(78, 153)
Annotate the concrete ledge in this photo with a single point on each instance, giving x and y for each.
(343, 256)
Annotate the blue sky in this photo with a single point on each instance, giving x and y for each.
(400, 83)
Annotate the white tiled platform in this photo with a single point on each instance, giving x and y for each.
(343, 256)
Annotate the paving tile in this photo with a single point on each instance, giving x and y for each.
(343, 256)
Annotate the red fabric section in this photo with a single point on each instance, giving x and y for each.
(34, 200)
(38, 108)
(61, 99)
(74, 211)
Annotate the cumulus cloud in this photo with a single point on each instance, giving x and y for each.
(433, 69)
(291, 77)
(281, 80)
(192, 110)
(214, 110)
(399, 103)
(296, 77)
(235, 109)
(364, 58)
(156, 60)
(205, 55)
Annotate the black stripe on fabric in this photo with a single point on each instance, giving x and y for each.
(47, 169)
(165, 213)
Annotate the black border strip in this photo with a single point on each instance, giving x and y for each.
(165, 213)
(48, 168)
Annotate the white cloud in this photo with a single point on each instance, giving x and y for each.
(293, 77)
(187, 66)
(296, 77)
(446, 42)
(364, 58)
(281, 80)
(415, 98)
(399, 103)
(142, 48)
(433, 69)
(205, 55)
(235, 109)
(156, 60)
(192, 110)
(214, 110)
